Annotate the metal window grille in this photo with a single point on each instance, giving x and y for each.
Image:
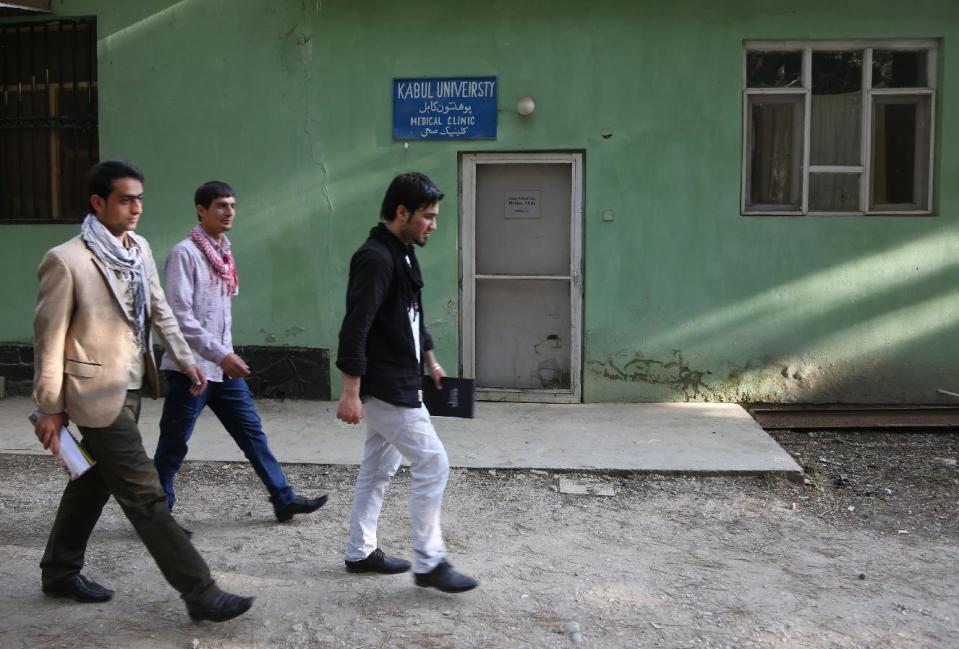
(48, 119)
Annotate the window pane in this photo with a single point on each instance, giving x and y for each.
(775, 151)
(900, 152)
(836, 108)
(895, 69)
(833, 192)
(835, 73)
(774, 69)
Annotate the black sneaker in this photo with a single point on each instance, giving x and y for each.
(222, 606)
(378, 562)
(80, 589)
(299, 505)
(444, 578)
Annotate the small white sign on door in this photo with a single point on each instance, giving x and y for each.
(522, 204)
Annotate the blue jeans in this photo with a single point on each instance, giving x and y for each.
(232, 403)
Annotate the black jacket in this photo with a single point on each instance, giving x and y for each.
(376, 342)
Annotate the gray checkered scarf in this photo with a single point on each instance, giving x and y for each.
(128, 262)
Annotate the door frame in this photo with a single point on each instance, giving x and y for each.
(468, 164)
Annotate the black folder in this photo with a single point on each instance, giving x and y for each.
(456, 399)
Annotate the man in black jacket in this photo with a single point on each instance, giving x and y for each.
(383, 348)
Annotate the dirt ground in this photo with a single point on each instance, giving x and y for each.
(863, 555)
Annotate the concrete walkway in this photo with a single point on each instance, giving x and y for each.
(657, 438)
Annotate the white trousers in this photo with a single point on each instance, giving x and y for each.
(393, 432)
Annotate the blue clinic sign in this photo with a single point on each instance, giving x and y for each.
(447, 108)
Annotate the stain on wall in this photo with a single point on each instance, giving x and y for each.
(636, 368)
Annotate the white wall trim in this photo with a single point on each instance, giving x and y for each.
(869, 96)
(892, 44)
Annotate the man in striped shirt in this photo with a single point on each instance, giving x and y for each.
(201, 283)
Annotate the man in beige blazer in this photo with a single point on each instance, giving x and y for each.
(99, 298)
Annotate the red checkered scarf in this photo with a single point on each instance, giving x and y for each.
(221, 265)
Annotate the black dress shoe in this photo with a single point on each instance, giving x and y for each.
(379, 562)
(221, 607)
(299, 505)
(80, 589)
(444, 578)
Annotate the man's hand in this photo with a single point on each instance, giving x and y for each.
(437, 373)
(48, 428)
(350, 408)
(435, 369)
(197, 379)
(234, 367)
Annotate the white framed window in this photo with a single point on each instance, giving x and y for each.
(835, 128)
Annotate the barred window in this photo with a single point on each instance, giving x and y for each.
(838, 127)
(48, 119)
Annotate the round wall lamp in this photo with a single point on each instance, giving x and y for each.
(525, 105)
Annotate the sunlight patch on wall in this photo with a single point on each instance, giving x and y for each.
(813, 298)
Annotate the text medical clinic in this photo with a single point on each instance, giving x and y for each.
(444, 108)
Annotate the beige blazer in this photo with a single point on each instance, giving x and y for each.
(81, 335)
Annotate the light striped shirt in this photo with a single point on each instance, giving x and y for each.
(201, 306)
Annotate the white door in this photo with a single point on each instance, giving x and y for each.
(521, 292)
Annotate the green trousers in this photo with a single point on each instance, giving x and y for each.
(124, 471)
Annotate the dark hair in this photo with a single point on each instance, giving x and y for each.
(210, 191)
(412, 190)
(101, 176)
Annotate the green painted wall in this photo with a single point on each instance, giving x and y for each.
(289, 100)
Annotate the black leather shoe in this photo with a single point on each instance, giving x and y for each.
(379, 562)
(444, 578)
(299, 505)
(221, 607)
(80, 589)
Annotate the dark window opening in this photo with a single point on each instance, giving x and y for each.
(895, 69)
(900, 156)
(773, 69)
(836, 73)
(48, 118)
(901, 153)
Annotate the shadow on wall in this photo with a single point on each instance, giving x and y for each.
(833, 334)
